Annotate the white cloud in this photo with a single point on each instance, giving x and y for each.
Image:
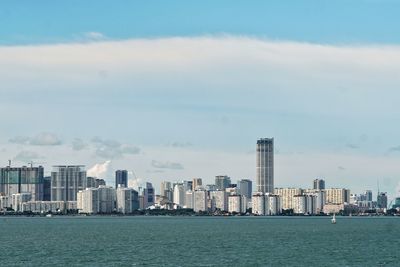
(166, 165)
(112, 149)
(100, 170)
(41, 139)
(94, 35)
(45, 139)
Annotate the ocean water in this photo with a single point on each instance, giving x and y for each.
(199, 241)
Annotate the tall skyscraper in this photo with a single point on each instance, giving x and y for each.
(245, 187)
(222, 182)
(66, 181)
(319, 184)
(265, 165)
(14, 180)
(121, 178)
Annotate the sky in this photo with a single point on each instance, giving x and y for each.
(172, 90)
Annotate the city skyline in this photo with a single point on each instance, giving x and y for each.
(186, 97)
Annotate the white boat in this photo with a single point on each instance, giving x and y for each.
(334, 219)
(49, 215)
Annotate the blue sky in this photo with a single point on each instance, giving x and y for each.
(178, 89)
(318, 21)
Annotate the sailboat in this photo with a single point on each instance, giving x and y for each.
(333, 219)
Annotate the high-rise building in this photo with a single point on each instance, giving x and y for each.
(258, 203)
(272, 204)
(127, 200)
(148, 195)
(220, 199)
(88, 201)
(287, 196)
(222, 182)
(318, 184)
(179, 195)
(200, 200)
(245, 187)
(235, 204)
(337, 196)
(106, 199)
(66, 181)
(14, 180)
(368, 195)
(121, 177)
(165, 188)
(188, 185)
(197, 183)
(189, 199)
(382, 200)
(47, 188)
(265, 165)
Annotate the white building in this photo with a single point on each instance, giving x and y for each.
(299, 204)
(337, 196)
(189, 199)
(88, 201)
(179, 195)
(127, 200)
(258, 203)
(18, 199)
(235, 203)
(5, 202)
(273, 204)
(200, 200)
(48, 206)
(287, 196)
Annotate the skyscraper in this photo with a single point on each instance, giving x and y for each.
(14, 180)
(319, 184)
(222, 182)
(66, 181)
(265, 165)
(245, 187)
(121, 178)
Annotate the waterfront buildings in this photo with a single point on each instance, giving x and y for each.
(287, 195)
(189, 199)
(235, 204)
(265, 165)
(266, 204)
(127, 200)
(220, 198)
(382, 200)
(197, 183)
(179, 195)
(319, 184)
(148, 196)
(18, 199)
(337, 195)
(222, 182)
(96, 200)
(121, 178)
(66, 181)
(245, 187)
(166, 190)
(200, 200)
(15, 180)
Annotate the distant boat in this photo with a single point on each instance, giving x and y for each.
(49, 215)
(333, 219)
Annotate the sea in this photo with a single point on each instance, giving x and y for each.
(199, 241)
